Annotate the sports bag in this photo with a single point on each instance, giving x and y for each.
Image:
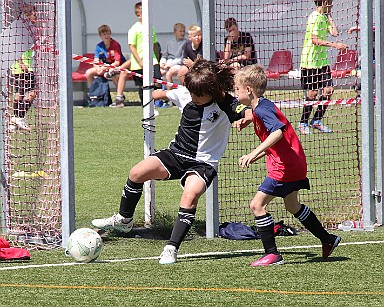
(99, 94)
(237, 231)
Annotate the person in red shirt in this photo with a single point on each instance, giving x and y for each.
(108, 51)
(286, 165)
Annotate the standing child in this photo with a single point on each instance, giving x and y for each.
(286, 165)
(192, 156)
(315, 70)
(135, 42)
(22, 80)
(172, 57)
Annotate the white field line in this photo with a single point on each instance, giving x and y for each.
(178, 256)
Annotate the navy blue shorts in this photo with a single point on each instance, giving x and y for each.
(282, 189)
(179, 167)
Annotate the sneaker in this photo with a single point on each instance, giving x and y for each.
(303, 128)
(119, 102)
(115, 222)
(318, 124)
(117, 105)
(110, 73)
(169, 255)
(20, 123)
(329, 247)
(268, 259)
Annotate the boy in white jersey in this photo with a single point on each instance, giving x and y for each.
(179, 96)
(192, 156)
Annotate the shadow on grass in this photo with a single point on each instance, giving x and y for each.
(161, 230)
(302, 257)
(235, 254)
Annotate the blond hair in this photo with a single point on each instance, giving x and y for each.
(253, 76)
(194, 29)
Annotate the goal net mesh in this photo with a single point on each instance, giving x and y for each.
(30, 151)
(278, 28)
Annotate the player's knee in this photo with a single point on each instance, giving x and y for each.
(189, 200)
(135, 174)
(18, 97)
(311, 95)
(32, 95)
(90, 73)
(328, 92)
(256, 207)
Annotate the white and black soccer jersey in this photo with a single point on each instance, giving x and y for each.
(204, 130)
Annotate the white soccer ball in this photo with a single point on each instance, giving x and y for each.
(84, 245)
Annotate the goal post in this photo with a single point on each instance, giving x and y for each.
(379, 85)
(37, 191)
(341, 164)
(66, 120)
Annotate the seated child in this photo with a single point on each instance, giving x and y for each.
(108, 51)
(192, 48)
(171, 59)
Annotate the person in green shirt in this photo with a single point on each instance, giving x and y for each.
(315, 70)
(135, 42)
(22, 81)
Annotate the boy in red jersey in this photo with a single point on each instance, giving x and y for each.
(286, 165)
(108, 51)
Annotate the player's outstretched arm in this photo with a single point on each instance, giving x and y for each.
(259, 152)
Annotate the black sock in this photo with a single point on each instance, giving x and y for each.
(18, 108)
(307, 110)
(310, 221)
(182, 225)
(319, 114)
(131, 195)
(265, 225)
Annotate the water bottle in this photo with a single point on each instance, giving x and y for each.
(354, 225)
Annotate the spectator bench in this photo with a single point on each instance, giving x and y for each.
(79, 81)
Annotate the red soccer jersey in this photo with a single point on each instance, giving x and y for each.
(110, 55)
(286, 159)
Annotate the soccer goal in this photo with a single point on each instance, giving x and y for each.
(33, 136)
(340, 165)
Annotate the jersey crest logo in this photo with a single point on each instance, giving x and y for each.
(240, 108)
(213, 116)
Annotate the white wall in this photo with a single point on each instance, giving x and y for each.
(119, 15)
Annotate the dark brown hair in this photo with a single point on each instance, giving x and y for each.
(229, 22)
(209, 78)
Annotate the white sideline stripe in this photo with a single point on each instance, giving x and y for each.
(178, 256)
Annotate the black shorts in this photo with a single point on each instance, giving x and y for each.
(316, 78)
(156, 74)
(22, 83)
(179, 167)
